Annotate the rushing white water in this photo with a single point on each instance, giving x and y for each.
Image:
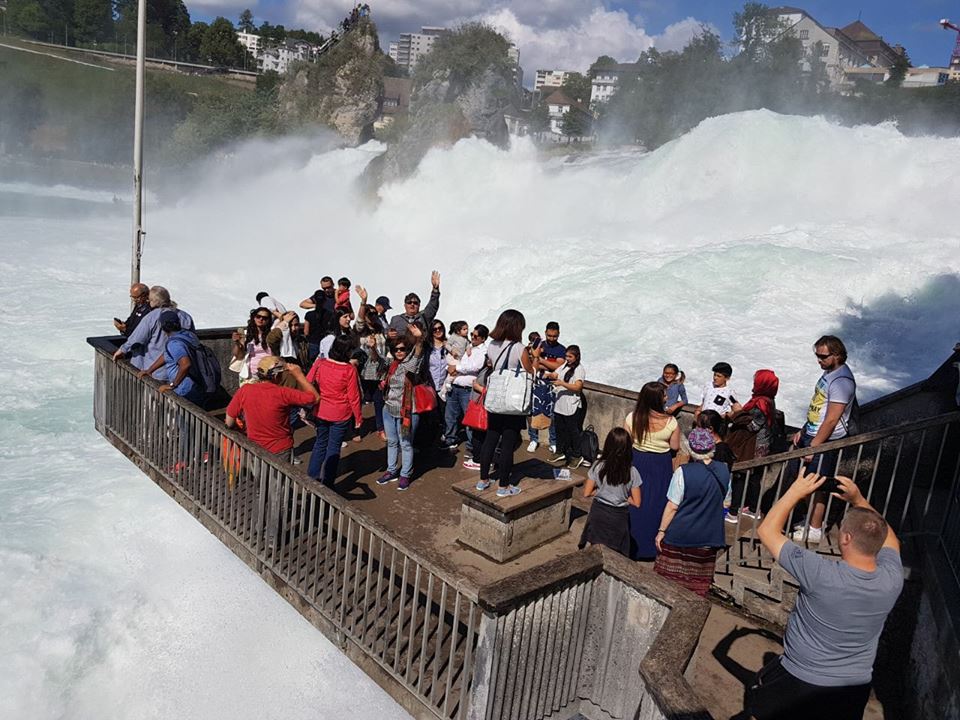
(742, 241)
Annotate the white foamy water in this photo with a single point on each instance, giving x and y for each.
(743, 241)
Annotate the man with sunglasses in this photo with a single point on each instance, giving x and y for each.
(828, 418)
(140, 294)
(412, 312)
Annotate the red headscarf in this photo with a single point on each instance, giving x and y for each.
(765, 386)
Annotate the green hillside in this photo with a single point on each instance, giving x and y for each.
(58, 104)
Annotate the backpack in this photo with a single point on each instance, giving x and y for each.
(589, 445)
(204, 367)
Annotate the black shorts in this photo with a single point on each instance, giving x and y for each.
(775, 694)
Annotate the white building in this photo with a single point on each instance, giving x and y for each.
(605, 82)
(412, 46)
(558, 105)
(514, 54)
(278, 59)
(927, 77)
(550, 79)
(250, 41)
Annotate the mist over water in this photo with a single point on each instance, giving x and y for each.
(742, 241)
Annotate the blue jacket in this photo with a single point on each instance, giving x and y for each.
(146, 343)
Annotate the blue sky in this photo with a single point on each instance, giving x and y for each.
(569, 34)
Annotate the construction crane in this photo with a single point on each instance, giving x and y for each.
(955, 57)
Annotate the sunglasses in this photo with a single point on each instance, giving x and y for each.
(400, 348)
(823, 357)
(262, 317)
(438, 329)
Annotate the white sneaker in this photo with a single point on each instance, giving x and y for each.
(471, 464)
(810, 535)
(553, 449)
(532, 447)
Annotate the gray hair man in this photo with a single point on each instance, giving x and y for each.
(146, 343)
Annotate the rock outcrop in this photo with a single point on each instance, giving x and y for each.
(443, 110)
(341, 91)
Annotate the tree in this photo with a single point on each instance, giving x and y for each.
(754, 28)
(246, 22)
(819, 80)
(576, 122)
(540, 118)
(190, 48)
(898, 71)
(604, 62)
(577, 87)
(220, 45)
(465, 54)
(93, 20)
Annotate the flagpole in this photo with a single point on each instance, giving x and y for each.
(138, 144)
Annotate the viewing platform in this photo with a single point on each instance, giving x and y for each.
(464, 605)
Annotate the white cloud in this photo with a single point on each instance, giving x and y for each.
(574, 46)
(677, 35)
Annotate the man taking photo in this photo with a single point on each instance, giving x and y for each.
(832, 633)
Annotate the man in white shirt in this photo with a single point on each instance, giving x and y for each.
(467, 369)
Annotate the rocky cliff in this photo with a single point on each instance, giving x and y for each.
(460, 91)
(341, 91)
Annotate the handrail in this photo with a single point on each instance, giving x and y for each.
(850, 441)
(331, 497)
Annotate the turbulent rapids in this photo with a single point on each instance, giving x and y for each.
(742, 241)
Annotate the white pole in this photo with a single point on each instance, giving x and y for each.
(138, 144)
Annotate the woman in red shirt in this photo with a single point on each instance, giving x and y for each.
(339, 406)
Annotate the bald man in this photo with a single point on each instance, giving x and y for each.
(139, 293)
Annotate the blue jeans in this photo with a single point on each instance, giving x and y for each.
(399, 448)
(326, 451)
(457, 400)
(535, 434)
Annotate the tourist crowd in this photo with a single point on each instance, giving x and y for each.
(435, 384)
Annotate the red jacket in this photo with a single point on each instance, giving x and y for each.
(339, 389)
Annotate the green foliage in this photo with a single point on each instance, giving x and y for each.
(245, 23)
(576, 122)
(540, 118)
(671, 93)
(604, 62)
(190, 47)
(577, 87)
(93, 20)
(463, 55)
(898, 71)
(220, 46)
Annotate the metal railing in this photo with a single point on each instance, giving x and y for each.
(416, 621)
(908, 472)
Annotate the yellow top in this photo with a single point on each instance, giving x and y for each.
(655, 441)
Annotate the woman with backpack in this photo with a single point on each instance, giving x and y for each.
(568, 409)
(691, 527)
(751, 435)
(614, 484)
(508, 356)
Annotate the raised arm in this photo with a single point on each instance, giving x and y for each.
(770, 531)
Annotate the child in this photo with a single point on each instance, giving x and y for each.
(719, 396)
(614, 484)
(711, 420)
(342, 295)
(673, 378)
(457, 340)
(568, 410)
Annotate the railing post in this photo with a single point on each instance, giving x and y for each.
(482, 685)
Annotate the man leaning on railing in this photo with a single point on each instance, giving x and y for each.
(831, 637)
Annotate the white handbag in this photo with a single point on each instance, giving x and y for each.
(509, 390)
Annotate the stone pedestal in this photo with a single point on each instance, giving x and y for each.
(503, 528)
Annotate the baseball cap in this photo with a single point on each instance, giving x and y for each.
(169, 317)
(384, 302)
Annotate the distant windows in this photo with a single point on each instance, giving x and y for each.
(826, 49)
(804, 34)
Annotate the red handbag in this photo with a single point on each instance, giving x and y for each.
(424, 399)
(476, 414)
